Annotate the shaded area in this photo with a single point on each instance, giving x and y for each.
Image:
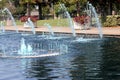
(111, 59)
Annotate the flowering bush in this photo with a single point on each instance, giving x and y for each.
(25, 18)
(81, 19)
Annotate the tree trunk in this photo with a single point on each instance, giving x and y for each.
(103, 13)
(28, 10)
(78, 8)
(40, 11)
(109, 7)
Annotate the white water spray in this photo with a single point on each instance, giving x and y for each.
(69, 19)
(30, 23)
(93, 12)
(25, 50)
(13, 20)
(49, 29)
(2, 26)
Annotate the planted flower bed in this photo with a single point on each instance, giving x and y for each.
(81, 22)
(25, 18)
(32, 18)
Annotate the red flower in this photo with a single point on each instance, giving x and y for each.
(81, 19)
(25, 18)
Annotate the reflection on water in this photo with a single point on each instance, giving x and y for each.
(94, 60)
(111, 59)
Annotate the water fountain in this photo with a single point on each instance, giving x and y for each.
(31, 24)
(45, 46)
(11, 17)
(31, 46)
(70, 21)
(25, 50)
(84, 22)
(89, 60)
(2, 26)
(93, 14)
(49, 29)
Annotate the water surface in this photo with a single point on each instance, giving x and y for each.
(90, 60)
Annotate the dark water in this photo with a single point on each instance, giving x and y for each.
(90, 60)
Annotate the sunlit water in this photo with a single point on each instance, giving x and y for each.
(89, 60)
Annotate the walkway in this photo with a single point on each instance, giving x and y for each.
(115, 31)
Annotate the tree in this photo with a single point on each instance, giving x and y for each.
(7, 4)
(80, 5)
(105, 7)
(40, 3)
(74, 5)
(2, 3)
(43, 3)
(28, 2)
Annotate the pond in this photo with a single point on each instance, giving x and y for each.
(92, 59)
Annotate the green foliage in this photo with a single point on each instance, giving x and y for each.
(27, 1)
(73, 5)
(2, 3)
(118, 20)
(112, 21)
(45, 10)
(19, 10)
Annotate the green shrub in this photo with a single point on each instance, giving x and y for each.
(112, 20)
(118, 20)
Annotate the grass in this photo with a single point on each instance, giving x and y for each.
(52, 22)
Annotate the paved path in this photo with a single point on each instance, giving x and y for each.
(105, 30)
